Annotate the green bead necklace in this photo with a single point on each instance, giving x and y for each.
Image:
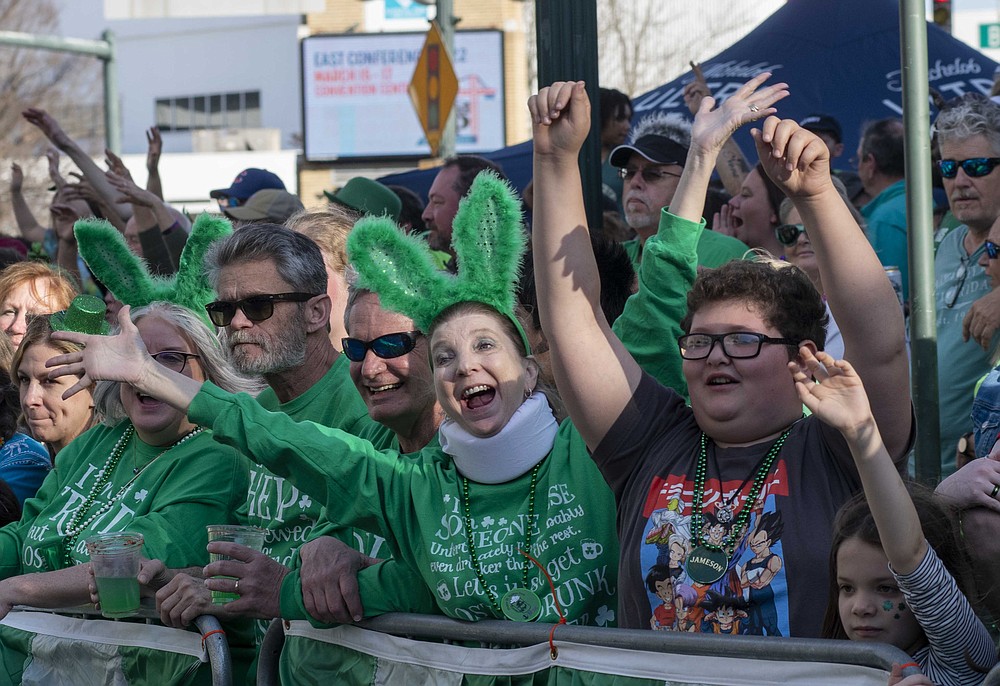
(707, 562)
(519, 604)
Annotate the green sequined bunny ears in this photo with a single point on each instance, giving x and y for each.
(489, 243)
(104, 250)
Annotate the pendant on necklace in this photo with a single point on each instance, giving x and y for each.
(520, 605)
(706, 566)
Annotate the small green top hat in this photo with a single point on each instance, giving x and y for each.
(85, 315)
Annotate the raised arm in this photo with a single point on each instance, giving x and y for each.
(29, 227)
(860, 296)
(595, 374)
(155, 147)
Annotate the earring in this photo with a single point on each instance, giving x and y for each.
(527, 393)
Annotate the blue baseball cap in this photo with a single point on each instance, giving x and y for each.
(248, 182)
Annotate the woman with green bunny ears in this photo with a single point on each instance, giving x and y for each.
(506, 481)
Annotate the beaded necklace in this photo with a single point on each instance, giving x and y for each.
(77, 523)
(707, 562)
(519, 604)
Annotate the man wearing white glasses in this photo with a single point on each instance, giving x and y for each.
(650, 165)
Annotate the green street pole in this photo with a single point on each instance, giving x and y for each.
(446, 24)
(920, 229)
(102, 49)
(566, 33)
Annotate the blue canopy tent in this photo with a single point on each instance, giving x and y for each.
(839, 58)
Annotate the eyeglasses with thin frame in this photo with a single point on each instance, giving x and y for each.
(387, 346)
(256, 308)
(738, 345)
(992, 250)
(174, 360)
(788, 234)
(650, 174)
(973, 167)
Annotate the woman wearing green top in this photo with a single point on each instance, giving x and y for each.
(136, 471)
(506, 479)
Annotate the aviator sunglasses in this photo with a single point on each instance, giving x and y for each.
(387, 347)
(788, 234)
(973, 167)
(256, 308)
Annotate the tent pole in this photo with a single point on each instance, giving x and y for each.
(923, 345)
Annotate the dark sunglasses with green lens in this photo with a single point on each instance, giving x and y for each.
(788, 234)
(973, 167)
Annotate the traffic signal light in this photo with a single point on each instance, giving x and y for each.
(942, 14)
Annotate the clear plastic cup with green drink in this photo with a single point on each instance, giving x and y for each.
(250, 536)
(115, 561)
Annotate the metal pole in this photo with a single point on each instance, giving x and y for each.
(566, 33)
(446, 22)
(101, 49)
(112, 116)
(923, 343)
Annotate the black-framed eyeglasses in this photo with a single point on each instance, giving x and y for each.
(739, 345)
(387, 346)
(174, 360)
(992, 250)
(788, 234)
(649, 174)
(256, 308)
(973, 167)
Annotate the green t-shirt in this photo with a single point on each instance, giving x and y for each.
(415, 504)
(169, 502)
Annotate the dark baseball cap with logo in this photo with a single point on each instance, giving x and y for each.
(655, 148)
(248, 182)
(823, 123)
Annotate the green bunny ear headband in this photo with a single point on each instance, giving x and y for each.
(104, 250)
(489, 243)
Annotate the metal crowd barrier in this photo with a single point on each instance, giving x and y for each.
(877, 656)
(213, 636)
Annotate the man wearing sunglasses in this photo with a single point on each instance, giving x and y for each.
(969, 139)
(880, 168)
(650, 165)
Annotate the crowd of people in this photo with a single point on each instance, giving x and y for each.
(695, 417)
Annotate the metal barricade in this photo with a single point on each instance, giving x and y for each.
(494, 632)
(213, 637)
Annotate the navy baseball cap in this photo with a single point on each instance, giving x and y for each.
(823, 123)
(248, 182)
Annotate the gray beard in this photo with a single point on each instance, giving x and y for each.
(272, 355)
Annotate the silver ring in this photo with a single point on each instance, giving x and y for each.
(754, 109)
(996, 489)
(236, 588)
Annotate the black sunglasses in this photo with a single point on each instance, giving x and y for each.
(788, 234)
(992, 250)
(973, 167)
(256, 308)
(387, 347)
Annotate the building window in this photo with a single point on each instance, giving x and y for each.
(212, 111)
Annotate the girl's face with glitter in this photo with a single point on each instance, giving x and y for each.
(872, 608)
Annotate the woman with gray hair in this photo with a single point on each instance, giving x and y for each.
(136, 471)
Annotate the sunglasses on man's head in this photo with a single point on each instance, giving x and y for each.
(387, 347)
(788, 234)
(256, 308)
(973, 167)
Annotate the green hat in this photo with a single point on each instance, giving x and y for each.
(368, 197)
(489, 243)
(108, 257)
(85, 315)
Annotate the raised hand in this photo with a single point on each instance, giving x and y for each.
(47, 124)
(154, 148)
(560, 118)
(797, 160)
(115, 165)
(713, 127)
(831, 389)
(130, 192)
(697, 90)
(52, 155)
(16, 178)
(722, 221)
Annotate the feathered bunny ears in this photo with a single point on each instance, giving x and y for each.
(104, 250)
(489, 243)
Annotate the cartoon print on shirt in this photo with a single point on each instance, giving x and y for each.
(756, 571)
(661, 583)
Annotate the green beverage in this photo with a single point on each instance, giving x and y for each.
(249, 536)
(119, 595)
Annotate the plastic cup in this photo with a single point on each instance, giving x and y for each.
(115, 560)
(250, 536)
